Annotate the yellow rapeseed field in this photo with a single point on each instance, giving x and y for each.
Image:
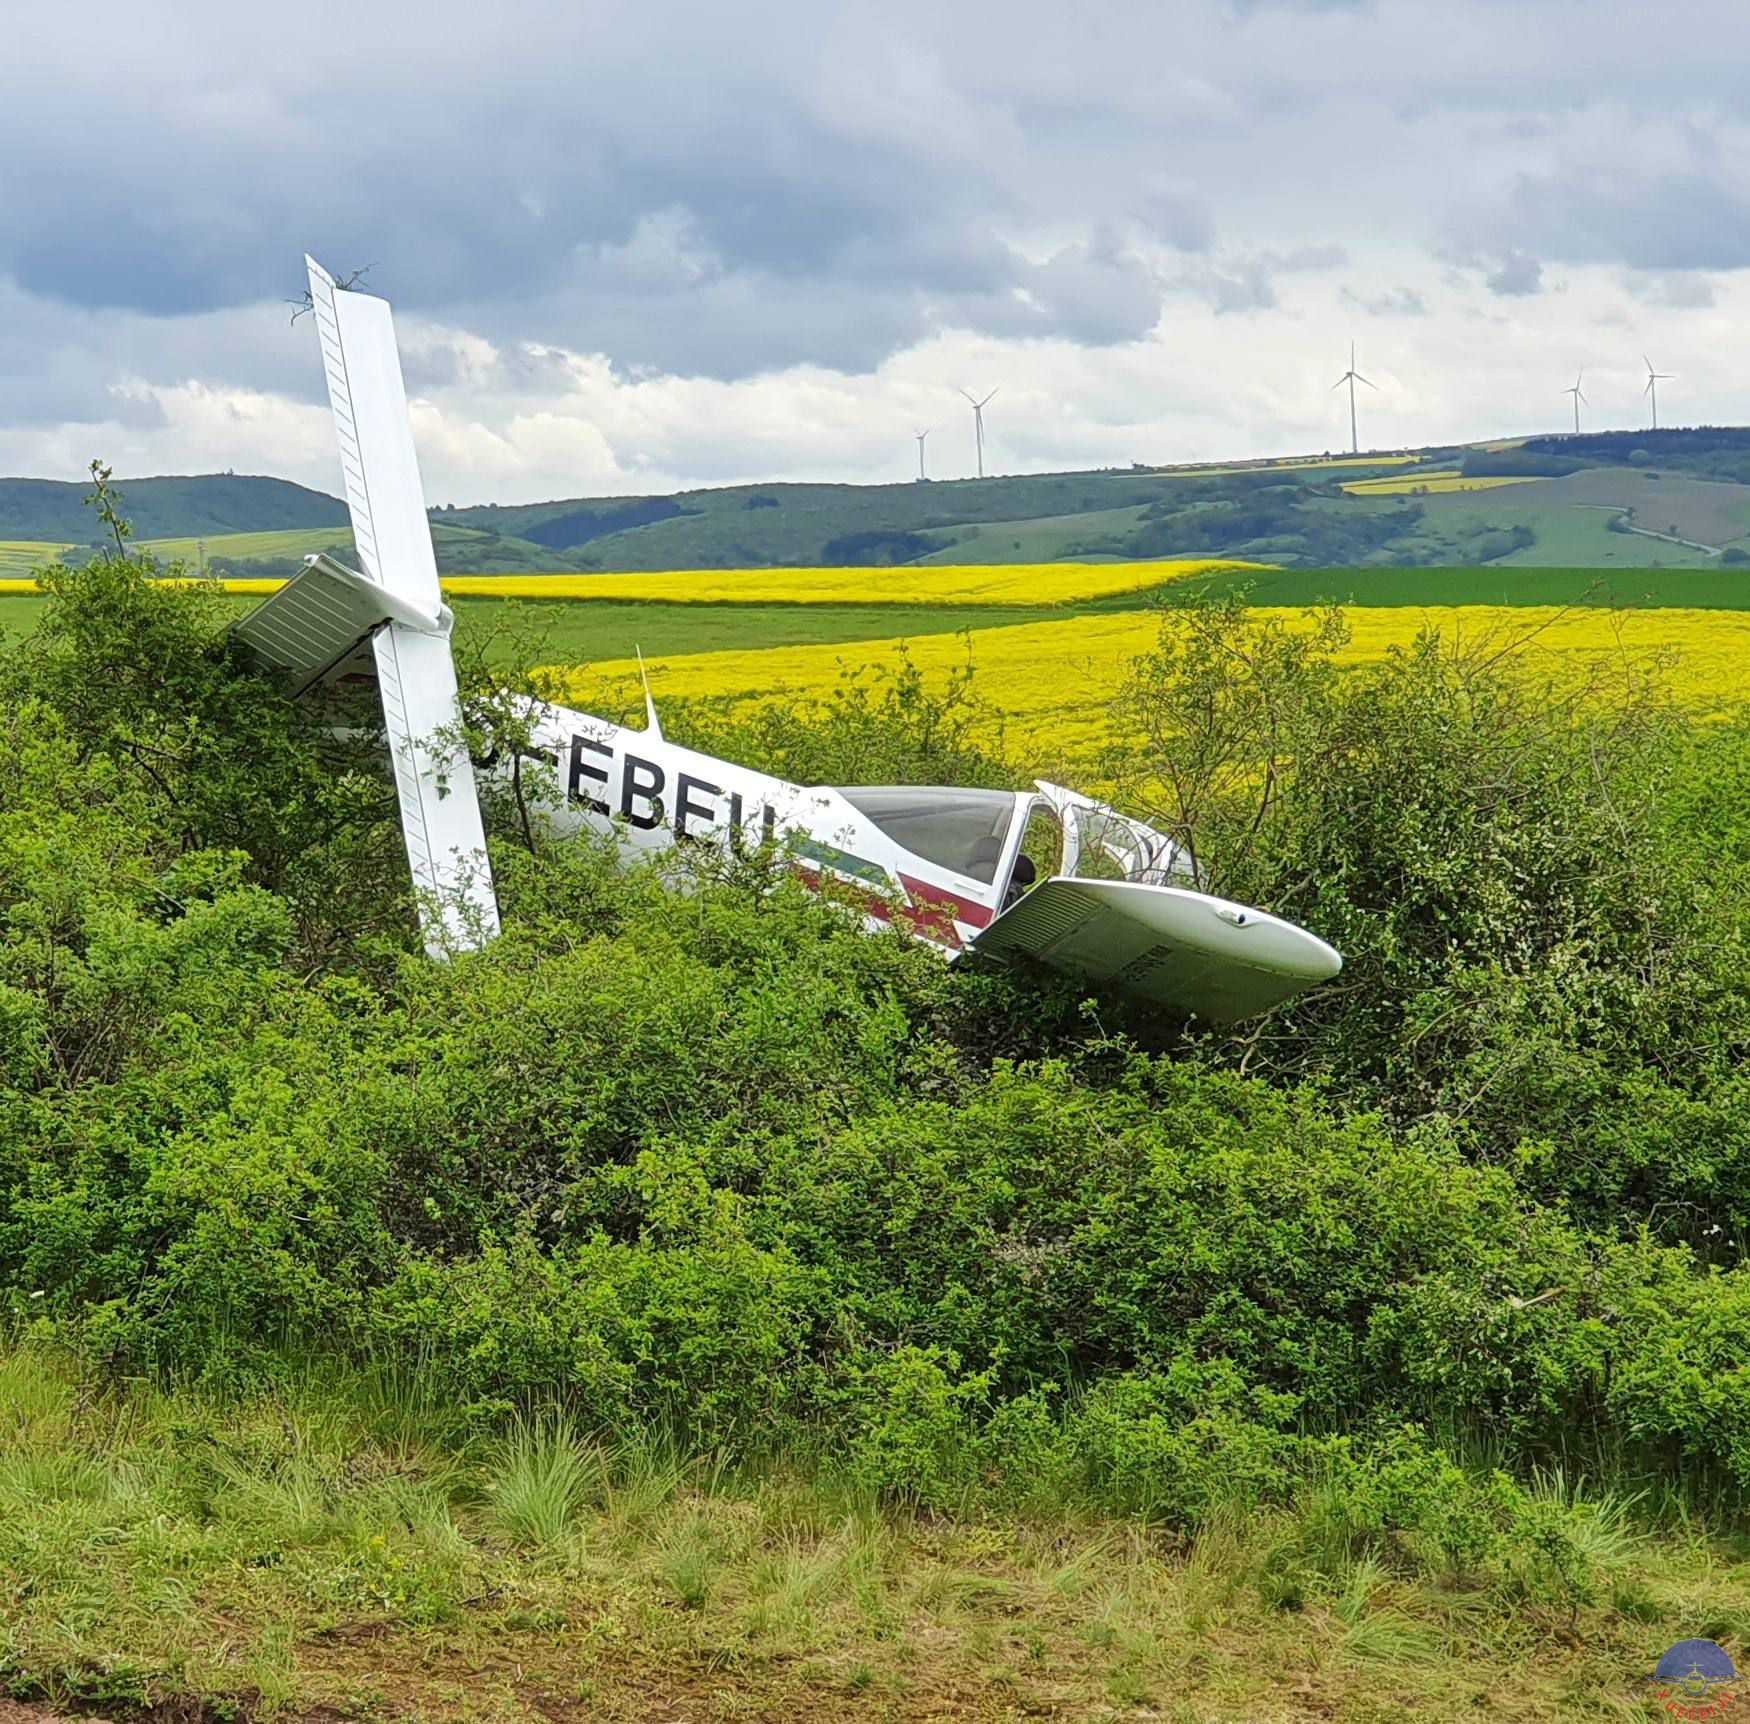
(1396, 484)
(943, 584)
(258, 588)
(1052, 681)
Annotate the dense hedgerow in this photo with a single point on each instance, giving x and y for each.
(721, 1161)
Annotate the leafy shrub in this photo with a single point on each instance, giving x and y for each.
(1175, 1444)
(914, 1433)
(1538, 941)
(720, 1162)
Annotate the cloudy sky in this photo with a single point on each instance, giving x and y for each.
(675, 243)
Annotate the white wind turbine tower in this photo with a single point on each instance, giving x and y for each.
(921, 435)
(1352, 377)
(978, 408)
(1654, 379)
(1579, 400)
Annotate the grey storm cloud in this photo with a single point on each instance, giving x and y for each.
(1689, 218)
(1394, 302)
(724, 192)
(670, 189)
(1679, 290)
(1250, 283)
(1514, 275)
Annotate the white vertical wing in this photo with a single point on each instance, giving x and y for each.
(434, 779)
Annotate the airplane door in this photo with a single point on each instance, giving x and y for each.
(1039, 854)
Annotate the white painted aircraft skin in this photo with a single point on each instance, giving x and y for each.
(1147, 930)
(415, 670)
(648, 793)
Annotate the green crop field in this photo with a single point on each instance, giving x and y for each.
(224, 548)
(1039, 540)
(459, 549)
(19, 557)
(567, 630)
(1705, 587)
(562, 630)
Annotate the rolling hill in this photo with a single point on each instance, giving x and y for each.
(1677, 498)
(205, 503)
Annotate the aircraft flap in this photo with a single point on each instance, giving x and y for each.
(434, 782)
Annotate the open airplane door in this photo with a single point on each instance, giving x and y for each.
(312, 626)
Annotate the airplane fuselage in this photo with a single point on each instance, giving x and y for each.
(647, 794)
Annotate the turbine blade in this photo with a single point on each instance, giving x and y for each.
(1583, 401)
(1360, 379)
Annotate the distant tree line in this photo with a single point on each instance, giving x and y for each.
(1617, 446)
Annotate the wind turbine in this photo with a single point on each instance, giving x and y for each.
(978, 408)
(921, 435)
(1352, 377)
(1579, 400)
(1654, 379)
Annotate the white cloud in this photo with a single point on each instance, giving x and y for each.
(641, 247)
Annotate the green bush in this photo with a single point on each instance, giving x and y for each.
(914, 1434)
(1177, 1443)
(1542, 920)
(719, 1162)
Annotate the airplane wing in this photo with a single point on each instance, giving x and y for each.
(316, 620)
(1183, 950)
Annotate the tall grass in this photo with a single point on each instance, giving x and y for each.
(281, 1552)
(540, 1481)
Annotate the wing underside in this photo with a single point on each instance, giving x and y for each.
(1183, 950)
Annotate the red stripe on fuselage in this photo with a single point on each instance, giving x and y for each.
(931, 910)
(926, 893)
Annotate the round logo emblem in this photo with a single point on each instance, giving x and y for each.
(1692, 1678)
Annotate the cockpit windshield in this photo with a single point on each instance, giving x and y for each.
(959, 829)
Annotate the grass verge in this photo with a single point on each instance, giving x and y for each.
(352, 1551)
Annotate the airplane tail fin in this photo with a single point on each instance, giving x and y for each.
(315, 622)
(377, 459)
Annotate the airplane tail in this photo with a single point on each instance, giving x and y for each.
(314, 624)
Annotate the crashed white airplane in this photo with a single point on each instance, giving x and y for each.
(950, 866)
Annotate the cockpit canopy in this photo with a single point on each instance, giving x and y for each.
(964, 830)
(971, 831)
